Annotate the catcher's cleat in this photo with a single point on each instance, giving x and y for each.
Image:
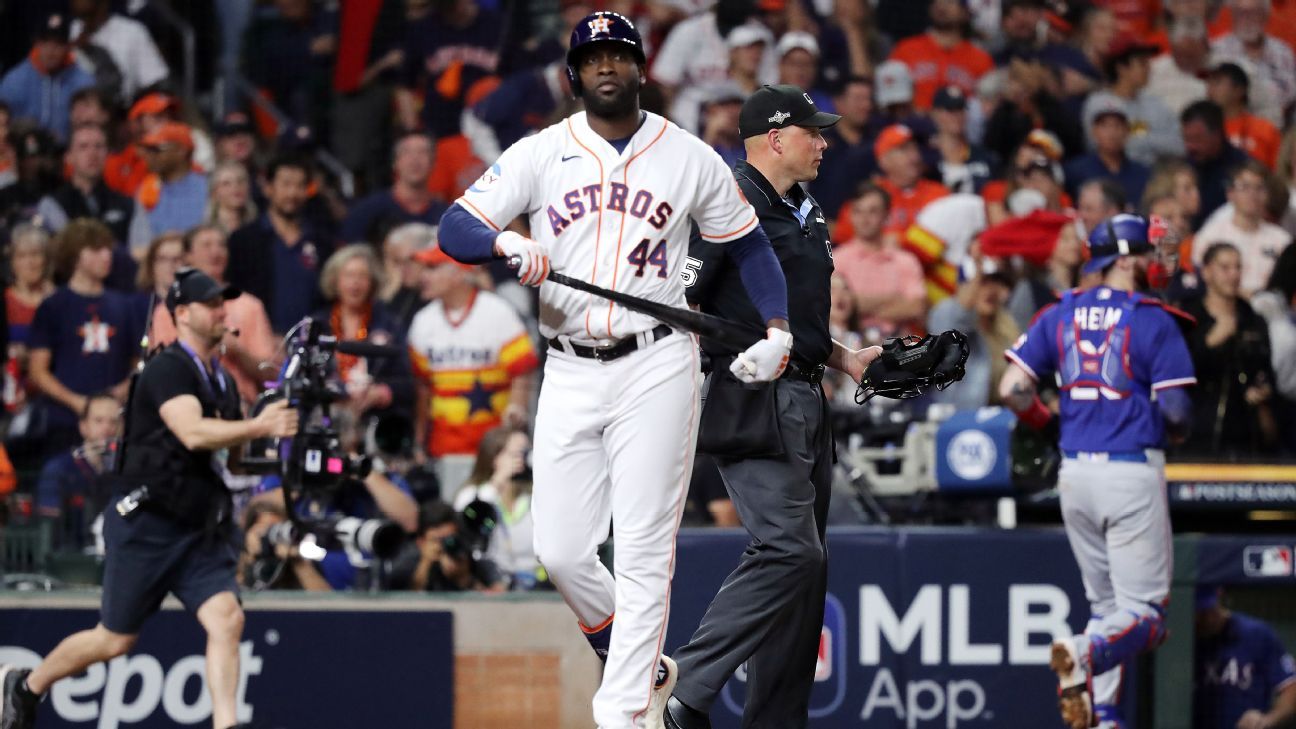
(667, 675)
(1075, 690)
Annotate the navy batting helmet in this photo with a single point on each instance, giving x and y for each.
(1119, 235)
(598, 28)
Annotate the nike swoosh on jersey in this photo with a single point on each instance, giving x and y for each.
(574, 156)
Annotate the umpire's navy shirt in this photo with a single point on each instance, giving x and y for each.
(798, 231)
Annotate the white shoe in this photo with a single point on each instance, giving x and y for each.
(1075, 691)
(653, 718)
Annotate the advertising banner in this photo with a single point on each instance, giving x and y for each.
(298, 669)
(923, 627)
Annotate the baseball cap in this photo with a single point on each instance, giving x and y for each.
(892, 137)
(155, 103)
(728, 91)
(746, 35)
(1108, 105)
(434, 256)
(779, 107)
(235, 122)
(168, 133)
(1046, 142)
(192, 286)
(54, 26)
(950, 98)
(1206, 597)
(893, 84)
(793, 40)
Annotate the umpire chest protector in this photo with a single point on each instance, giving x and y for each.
(183, 484)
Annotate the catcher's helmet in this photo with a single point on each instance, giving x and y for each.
(603, 26)
(1119, 235)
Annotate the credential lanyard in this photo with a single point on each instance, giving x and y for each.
(207, 376)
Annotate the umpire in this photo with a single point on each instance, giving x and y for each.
(168, 528)
(772, 441)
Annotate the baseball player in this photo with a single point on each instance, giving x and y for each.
(1244, 677)
(1122, 366)
(609, 194)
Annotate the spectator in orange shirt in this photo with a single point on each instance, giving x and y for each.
(1229, 86)
(901, 165)
(942, 56)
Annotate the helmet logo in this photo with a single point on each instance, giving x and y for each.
(601, 24)
(779, 117)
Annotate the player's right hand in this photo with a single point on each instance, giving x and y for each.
(765, 360)
(532, 257)
(277, 420)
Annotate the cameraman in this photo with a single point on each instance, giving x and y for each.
(169, 527)
(445, 554)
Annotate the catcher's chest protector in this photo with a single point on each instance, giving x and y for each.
(1087, 371)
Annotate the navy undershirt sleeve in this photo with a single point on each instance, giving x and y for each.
(761, 274)
(1176, 408)
(465, 238)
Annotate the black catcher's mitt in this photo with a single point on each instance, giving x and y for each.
(910, 365)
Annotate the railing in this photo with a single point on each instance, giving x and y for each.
(188, 43)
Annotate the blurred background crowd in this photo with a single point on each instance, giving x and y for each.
(305, 150)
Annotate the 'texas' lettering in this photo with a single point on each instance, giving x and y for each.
(586, 200)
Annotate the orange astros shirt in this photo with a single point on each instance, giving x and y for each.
(1256, 136)
(933, 66)
(469, 363)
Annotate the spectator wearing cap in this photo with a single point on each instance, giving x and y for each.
(277, 257)
(963, 166)
(720, 123)
(1208, 150)
(84, 336)
(127, 42)
(85, 195)
(851, 141)
(408, 200)
(36, 160)
(235, 139)
(901, 164)
(446, 52)
(798, 65)
(1272, 58)
(1243, 224)
(1034, 166)
(473, 361)
(175, 195)
(893, 96)
(942, 56)
(1109, 128)
(696, 55)
(747, 52)
(1175, 76)
(1152, 132)
(1229, 86)
(155, 109)
(40, 88)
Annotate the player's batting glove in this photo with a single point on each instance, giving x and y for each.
(764, 360)
(531, 257)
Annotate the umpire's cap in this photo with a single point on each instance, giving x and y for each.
(192, 286)
(1119, 235)
(600, 27)
(779, 107)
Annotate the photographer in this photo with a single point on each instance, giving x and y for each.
(169, 527)
(501, 477)
(266, 566)
(445, 556)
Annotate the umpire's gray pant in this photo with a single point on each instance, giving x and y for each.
(769, 612)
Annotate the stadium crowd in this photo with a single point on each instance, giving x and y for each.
(306, 152)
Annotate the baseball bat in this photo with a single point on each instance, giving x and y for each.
(739, 335)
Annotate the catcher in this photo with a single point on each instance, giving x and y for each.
(773, 441)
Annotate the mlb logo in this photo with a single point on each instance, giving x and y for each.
(1272, 561)
(823, 664)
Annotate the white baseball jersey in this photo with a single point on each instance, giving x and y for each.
(620, 221)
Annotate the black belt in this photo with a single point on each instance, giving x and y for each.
(804, 373)
(612, 351)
